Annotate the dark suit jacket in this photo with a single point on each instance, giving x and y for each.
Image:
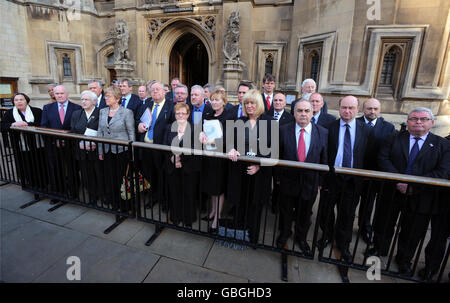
(433, 160)
(134, 104)
(207, 112)
(170, 96)
(325, 119)
(234, 111)
(285, 117)
(80, 122)
(295, 181)
(381, 130)
(50, 116)
(166, 117)
(363, 142)
(265, 102)
(324, 109)
(102, 101)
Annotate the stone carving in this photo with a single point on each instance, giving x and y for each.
(120, 34)
(208, 23)
(231, 50)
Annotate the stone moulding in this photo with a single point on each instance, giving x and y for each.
(207, 23)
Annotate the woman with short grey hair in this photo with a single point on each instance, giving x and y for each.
(85, 122)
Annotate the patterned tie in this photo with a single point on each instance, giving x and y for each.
(61, 113)
(347, 157)
(154, 117)
(370, 123)
(412, 156)
(301, 149)
(123, 101)
(268, 102)
(276, 115)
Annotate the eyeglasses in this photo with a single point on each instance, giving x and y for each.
(422, 119)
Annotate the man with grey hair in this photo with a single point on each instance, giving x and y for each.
(417, 152)
(208, 88)
(181, 93)
(308, 88)
(95, 86)
(198, 107)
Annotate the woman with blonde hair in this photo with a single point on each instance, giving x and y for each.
(249, 184)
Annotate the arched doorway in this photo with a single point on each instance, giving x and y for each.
(189, 61)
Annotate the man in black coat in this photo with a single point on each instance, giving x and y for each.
(348, 142)
(268, 86)
(170, 96)
(381, 130)
(162, 116)
(129, 100)
(236, 111)
(95, 86)
(320, 117)
(58, 115)
(417, 152)
(301, 141)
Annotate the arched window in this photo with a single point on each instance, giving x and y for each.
(268, 69)
(387, 70)
(66, 66)
(315, 65)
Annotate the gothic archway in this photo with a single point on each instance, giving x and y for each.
(166, 33)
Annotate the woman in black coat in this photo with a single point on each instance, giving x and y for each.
(214, 170)
(31, 161)
(182, 169)
(249, 184)
(85, 122)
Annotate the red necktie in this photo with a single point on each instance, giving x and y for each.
(301, 150)
(268, 103)
(61, 114)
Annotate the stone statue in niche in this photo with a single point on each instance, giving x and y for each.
(121, 36)
(231, 50)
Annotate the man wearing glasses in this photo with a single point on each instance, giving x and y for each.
(417, 152)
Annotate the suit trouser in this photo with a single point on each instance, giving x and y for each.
(152, 170)
(298, 209)
(346, 196)
(387, 211)
(115, 169)
(326, 215)
(369, 192)
(435, 250)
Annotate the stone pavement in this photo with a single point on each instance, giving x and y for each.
(35, 246)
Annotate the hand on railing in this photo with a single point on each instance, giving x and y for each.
(233, 154)
(20, 123)
(100, 156)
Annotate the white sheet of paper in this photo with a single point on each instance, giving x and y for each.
(146, 117)
(213, 130)
(90, 132)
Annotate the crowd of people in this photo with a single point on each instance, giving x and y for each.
(305, 134)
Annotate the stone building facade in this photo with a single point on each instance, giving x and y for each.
(395, 50)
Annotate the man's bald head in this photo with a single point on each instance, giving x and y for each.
(348, 108)
(371, 109)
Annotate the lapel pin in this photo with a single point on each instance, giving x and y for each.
(431, 145)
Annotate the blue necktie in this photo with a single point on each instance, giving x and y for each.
(240, 111)
(313, 120)
(347, 157)
(412, 156)
(154, 117)
(370, 123)
(123, 102)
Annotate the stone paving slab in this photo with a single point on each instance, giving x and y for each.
(31, 249)
(103, 261)
(94, 222)
(11, 221)
(256, 265)
(174, 271)
(174, 244)
(12, 197)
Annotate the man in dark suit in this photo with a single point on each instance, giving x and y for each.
(95, 86)
(181, 94)
(268, 85)
(142, 93)
(381, 129)
(417, 152)
(198, 108)
(320, 117)
(162, 115)
(58, 115)
(301, 141)
(348, 142)
(236, 112)
(129, 100)
(208, 88)
(170, 95)
(282, 117)
(308, 88)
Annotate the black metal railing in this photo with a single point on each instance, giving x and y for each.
(140, 181)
